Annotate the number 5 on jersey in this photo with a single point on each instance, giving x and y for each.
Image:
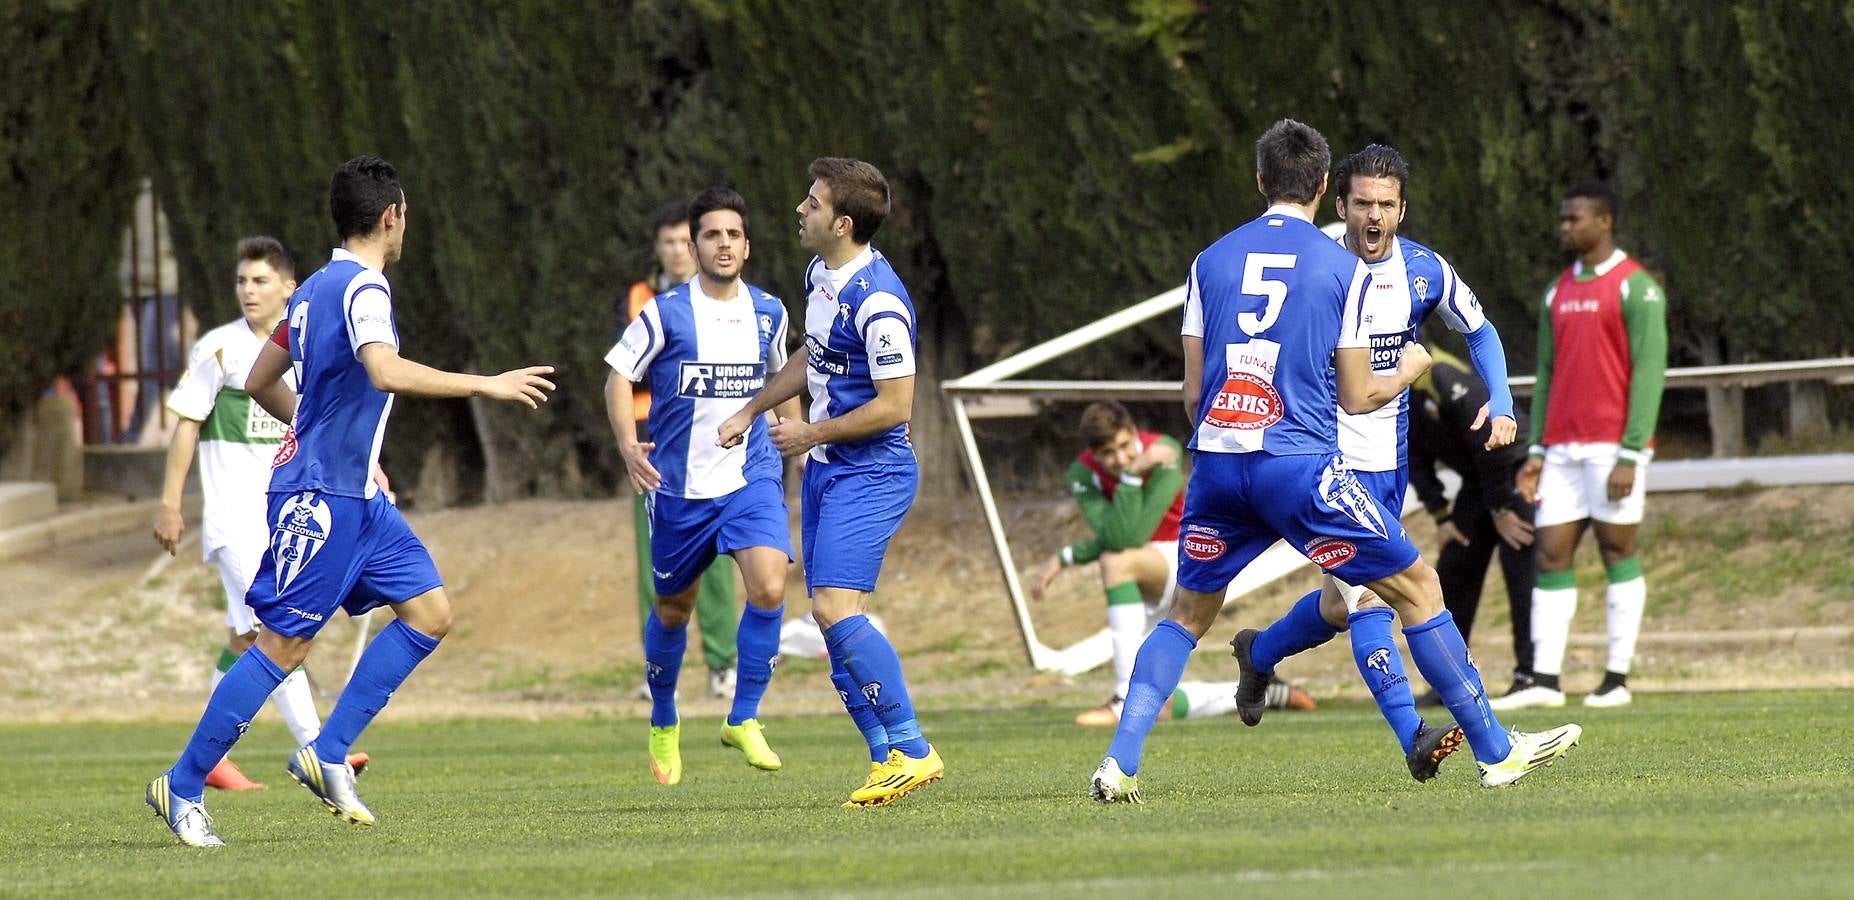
(1248, 401)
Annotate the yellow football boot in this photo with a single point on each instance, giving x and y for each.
(750, 738)
(898, 776)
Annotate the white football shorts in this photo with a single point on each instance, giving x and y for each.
(1575, 486)
(238, 565)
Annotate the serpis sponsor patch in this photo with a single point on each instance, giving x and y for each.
(1203, 547)
(1331, 553)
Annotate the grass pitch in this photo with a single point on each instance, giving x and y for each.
(1686, 794)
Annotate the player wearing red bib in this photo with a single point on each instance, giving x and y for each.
(1602, 364)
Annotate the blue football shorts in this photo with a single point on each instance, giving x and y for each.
(1388, 488)
(686, 534)
(849, 514)
(1238, 504)
(329, 553)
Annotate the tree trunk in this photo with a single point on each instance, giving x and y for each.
(944, 344)
(1808, 409)
(1725, 405)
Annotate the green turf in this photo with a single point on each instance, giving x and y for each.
(1680, 795)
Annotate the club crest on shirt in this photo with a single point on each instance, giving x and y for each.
(1421, 285)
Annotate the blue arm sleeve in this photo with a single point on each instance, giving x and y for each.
(1490, 361)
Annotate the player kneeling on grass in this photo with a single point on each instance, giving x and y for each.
(336, 542)
(714, 338)
(1131, 491)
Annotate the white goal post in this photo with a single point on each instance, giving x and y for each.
(971, 394)
(993, 382)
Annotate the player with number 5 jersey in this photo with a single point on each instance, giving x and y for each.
(1275, 343)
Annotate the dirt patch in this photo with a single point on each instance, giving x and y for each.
(547, 621)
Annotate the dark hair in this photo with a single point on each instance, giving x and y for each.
(713, 199)
(857, 190)
(671, 214)
(1375, 161)
(1103, 421)
(1601, 193)
(268, 250)
(361, 190)
(1291, 159)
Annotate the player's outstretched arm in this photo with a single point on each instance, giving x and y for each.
(783, 386)
(395, 374)
(1361, 391)
(893, 405)
(265, 380)
(620, 409)
(170, 526)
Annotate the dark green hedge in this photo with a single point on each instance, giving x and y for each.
(1052, 161)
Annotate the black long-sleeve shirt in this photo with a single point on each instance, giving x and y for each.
(1442, 406)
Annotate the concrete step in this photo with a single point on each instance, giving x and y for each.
(25, 502)
(77, 523)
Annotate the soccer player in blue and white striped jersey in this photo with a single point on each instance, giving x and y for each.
(1408, 282)
(707, 345)
(336, 541)
(861, 476)
(1276, 342)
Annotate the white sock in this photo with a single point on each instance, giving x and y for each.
(1552, 610)
(1208, 698)
(1126, 623)
(296, 703)
(1626, 600)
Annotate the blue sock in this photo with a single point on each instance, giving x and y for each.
(1303, 628)
(1156, 671)
(1440, 654)
(875, 669)
(755, 645)
(1382, 668)
(664, 648)
(239, 696)
(390, 658)
(861, 712)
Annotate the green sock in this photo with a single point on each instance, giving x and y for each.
(1124, 593)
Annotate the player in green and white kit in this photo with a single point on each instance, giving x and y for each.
(236, 440)
(1602, 365)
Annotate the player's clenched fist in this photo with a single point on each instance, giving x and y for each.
(520, 385)
(793, 436)
(1413, 363)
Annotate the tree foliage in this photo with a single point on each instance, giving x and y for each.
(1051, 162)
(66, 184)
